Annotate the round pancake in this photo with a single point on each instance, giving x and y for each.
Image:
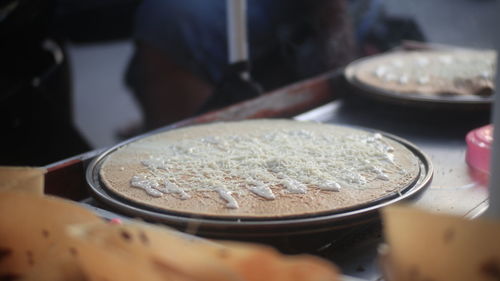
(265, 168)
(428, 72)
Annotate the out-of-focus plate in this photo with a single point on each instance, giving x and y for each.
(462, 102)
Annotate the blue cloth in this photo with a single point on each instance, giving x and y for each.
(193, 32)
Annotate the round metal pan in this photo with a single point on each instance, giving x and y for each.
(248, 229)
(454, 102)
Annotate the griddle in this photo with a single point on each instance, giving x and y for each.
(417, 100)
(249, 228)
(438, 134)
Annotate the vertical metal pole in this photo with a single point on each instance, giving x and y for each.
(237, 30)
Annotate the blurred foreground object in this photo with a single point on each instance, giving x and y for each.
(50, 238)
(427, 246)
(33, 240)
(161, 253)
(28, 179)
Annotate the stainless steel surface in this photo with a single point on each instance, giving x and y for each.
(439, 134)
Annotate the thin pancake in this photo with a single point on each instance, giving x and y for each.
(461, 73)
(307, 167)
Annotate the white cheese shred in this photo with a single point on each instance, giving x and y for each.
(291, 161)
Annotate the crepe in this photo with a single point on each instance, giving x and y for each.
(33, 243)
(136, 250)
(423, 245)
(259, 169)
(46, 238)
(26, 179)
(431, 72)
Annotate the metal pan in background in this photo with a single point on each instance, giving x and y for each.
(451, 102)
(284, 233)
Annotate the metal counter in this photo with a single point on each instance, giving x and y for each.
(439, 134)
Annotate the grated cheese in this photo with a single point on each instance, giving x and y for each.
(267, 164)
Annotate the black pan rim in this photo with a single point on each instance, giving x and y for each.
(268, 226)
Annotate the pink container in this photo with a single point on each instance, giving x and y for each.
(479, 148)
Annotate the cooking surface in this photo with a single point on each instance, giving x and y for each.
(114, 178)
(441, 135)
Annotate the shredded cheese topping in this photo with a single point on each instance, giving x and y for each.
(268, 164)
(423, 68)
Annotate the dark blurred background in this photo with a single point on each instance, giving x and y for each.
(63, 65)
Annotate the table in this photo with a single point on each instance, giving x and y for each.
(441, 135)
(438, 133)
